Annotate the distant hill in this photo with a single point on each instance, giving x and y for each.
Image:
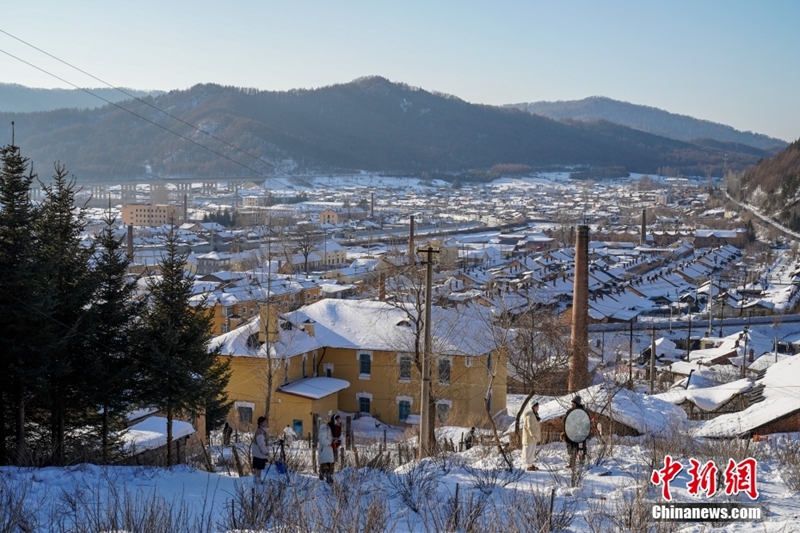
(19, 99)
(370, 124)
(651, 120)
(773, 185)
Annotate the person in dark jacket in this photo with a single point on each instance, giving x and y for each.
(260, 449)
(336, 434)
(575, 449)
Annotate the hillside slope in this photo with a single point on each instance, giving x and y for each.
(19, 99)
(773, 185)
(370, 124)
(651, 120)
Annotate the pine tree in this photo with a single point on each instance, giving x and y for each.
(17, 307)
(68, 287)
(181, 374)
(111, 354)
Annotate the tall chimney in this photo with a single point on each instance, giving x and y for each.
(411, 240)
(129, 242)
(644, 226)
(372, 207)
(579, 345)
(186, 208)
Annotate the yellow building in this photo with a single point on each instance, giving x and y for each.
(150, 215)
(357, 356)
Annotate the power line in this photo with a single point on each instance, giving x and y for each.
(196, 128)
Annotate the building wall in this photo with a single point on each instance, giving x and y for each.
(787, 424)
(469, 379)
(288, 407)
(464, 394)
(210, 266)
(150, 215)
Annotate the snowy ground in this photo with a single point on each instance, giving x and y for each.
(411, 496)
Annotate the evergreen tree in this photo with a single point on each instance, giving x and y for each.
(68, 287)
(17, 307)
(111, 353)
(181, 375)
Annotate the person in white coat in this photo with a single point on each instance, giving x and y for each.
(260, 448)
(325, 444)
(289, 435)
(531, 435)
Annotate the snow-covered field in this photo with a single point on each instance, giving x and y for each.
(466, 491)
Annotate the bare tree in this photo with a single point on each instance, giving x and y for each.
(539, 352)
(405, 293)
(305, 239)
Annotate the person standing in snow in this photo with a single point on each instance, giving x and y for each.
(531, 435)
(469, 441)
(575, 449)
(336, 432)
(289, 435)
(326, 445)
(260, 449)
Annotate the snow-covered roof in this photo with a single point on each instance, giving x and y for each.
(645, 414)
(708, 398)
(151, 433)
(781, 398)
(315, 388)
(373, 325)
(294, 341)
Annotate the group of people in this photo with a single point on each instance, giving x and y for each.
(330, 440)
(328, 444)
(532, 435)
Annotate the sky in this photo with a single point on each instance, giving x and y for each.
(733, 62)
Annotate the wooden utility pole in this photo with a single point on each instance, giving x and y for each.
(425, 395)
(653, 361)
(630, 359)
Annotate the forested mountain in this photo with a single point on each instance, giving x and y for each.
(773, 185)
(19, 99)
(651, 120)
(370, 124)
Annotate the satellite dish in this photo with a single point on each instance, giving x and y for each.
(577, 425)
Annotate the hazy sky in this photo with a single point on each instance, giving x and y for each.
(733, 62)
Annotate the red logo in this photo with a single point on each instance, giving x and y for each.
(665, 475)
(703, 478)
(738, 477)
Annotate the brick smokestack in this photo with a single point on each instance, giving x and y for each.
(579, 345)
(186, 208)
(644, 226)
(411, 240)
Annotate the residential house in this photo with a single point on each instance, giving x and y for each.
(358, 356)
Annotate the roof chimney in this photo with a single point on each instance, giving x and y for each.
(269, 324)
